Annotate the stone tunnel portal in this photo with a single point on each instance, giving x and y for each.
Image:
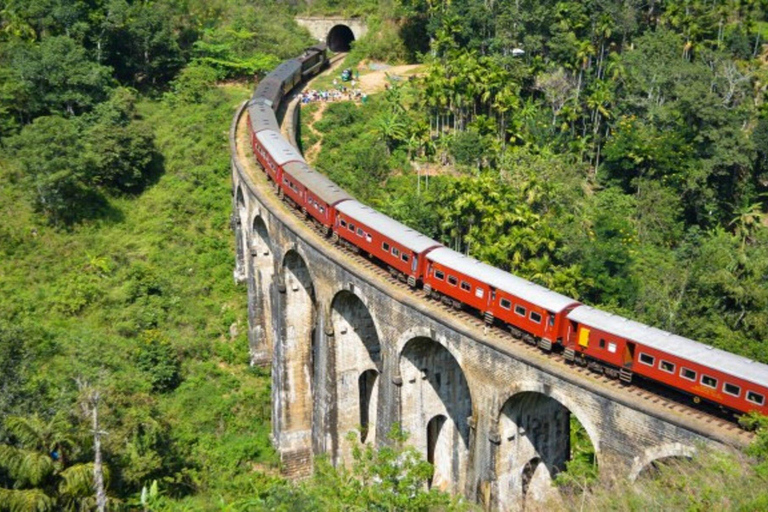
(340, 38)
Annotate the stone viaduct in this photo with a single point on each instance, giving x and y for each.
(353, 352)
(338, 33)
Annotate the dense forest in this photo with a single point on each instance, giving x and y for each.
(620, 158)
(616, 151)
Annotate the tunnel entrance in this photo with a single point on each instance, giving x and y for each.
(340, 38)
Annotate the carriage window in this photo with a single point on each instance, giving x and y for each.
(465, 286)
(359, 232)
(667, 366)
(755, 398)
(385, 246)
(343, 223)
(520, 310)
(396, 251)
(404, 257)
(352, 228)
(368, 238)
(535, 317)
(602, 343)
(646, 359)
(708, 381)
(322, 210)
(688, 374)
(731, 389)
(439, 275)
(479, 293)
(452, 281)
(506, 304)
(551, 319)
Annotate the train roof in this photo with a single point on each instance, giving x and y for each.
(286, 69)
(329, 192)
(262, 117)
(269, 90)
(694, 351)
(501, 280)
(280, 149)
(387, 226)
(312, 51)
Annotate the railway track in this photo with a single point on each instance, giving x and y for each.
(640, 390)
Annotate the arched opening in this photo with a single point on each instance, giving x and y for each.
(366, 385)
(240, 235)
(357, 365)
(658, 467)
(293, 388)
(434, 385)
(656, 458)
(435, 452)
(261, 246)
(260, 303)
(538, 439)
(340, 38)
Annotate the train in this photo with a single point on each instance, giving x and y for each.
(609, 344)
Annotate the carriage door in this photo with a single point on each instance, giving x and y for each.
(549, 327)
(629, 354)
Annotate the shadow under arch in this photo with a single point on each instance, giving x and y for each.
(357, 366)
(293, 386)
(261, 273)
(261, 243)
(241, 235)
(535, 430)
(434, 386)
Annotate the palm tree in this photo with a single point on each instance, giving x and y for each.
(38, 464)
(391, 128)
(749, 219)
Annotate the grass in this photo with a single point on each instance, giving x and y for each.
(159, 266)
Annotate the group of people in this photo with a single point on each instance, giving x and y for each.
(342, 93)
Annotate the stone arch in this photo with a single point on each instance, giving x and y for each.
(358, 365)
(533, 446)
(260, 302)
(658, 453)
(433, 385)
(241, 234)
(293, 386)
(340, 38)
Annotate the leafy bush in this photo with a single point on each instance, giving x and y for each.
(157, 358)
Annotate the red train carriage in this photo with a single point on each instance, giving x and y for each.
(273, 152)
(313, 193)
(625, 347)
(401, 248)
(531, 311)
(260, 117)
